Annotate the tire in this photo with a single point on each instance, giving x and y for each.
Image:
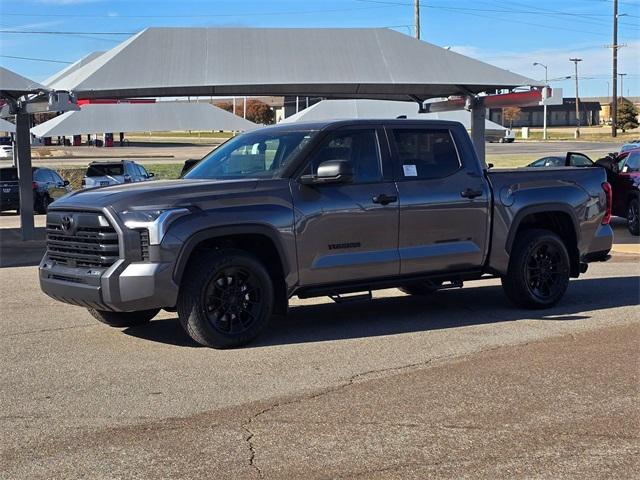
(539, 268)
(501, 140)
(226, 298)
(633, 217)
(421, 288)
(123, 319)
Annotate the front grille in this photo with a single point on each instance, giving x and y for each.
(81, 239)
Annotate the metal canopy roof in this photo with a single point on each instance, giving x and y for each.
(142, 117)
(354, 63)
(16, 85)
(71, 68)
(374, 109)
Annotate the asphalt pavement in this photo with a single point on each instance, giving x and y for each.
(459, 385)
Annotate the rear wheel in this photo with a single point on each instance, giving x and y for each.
(226, 298)
(538, 274)
(124, 319)
(43, 205)
(633, 217)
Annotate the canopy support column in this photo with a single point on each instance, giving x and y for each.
(478, 117)
(25, 175)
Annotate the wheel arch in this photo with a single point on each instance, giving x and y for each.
(259, 240)
(557, 218)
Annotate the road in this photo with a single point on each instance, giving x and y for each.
(460, 385)
(148, 153)
(552, 148)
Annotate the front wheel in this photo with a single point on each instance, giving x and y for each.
(633, 217)
(538, 273)
(123, 319)
(226, 298)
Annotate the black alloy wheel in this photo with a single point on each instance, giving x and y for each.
(233, 300)
(546, 271)
(633, 217)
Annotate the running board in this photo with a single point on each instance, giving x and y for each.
(451, 284)
(361, 297)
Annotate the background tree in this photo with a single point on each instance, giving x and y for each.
(510, 114)
(627, 116)
(257, 111)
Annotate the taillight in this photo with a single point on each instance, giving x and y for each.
(34, 185)
(608, 192)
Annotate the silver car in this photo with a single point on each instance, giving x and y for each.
(103, 174)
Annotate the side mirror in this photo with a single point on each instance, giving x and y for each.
(66, 183)
(331, 171)
(151, 174)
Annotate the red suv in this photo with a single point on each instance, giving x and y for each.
(625, 180)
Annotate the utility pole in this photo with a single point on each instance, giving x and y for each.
(621, 75)
(614, 92)
(575, 62)
(544, 99)
(416, 11)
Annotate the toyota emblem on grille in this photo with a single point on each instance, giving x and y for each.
(67, 223)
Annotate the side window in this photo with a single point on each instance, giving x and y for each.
(633, 163)
(56, 178)
(360, 147)
(40, 175)
(426, 153)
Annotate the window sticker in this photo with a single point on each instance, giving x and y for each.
(410, 170)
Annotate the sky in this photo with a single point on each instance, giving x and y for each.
(508, 34)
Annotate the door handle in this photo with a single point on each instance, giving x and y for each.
(384, 199)
(471, 193)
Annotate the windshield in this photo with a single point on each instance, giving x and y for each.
(101, 170)
(252, 155)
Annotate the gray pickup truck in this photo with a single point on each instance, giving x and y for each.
(315, 209)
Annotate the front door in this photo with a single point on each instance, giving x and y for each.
(444, 204)
(348, 231)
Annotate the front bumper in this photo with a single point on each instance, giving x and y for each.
(85, 265)
(121, 288)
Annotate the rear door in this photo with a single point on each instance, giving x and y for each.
(444, 202)
(348, 231)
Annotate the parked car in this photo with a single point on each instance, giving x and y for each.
(102, 174)
(500, 136)
(571, 159)
(6, 151)
(48, 186)
(623, 173)
(317, 209)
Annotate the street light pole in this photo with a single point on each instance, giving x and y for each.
(416, 11)
(575, 62)
(544, 100)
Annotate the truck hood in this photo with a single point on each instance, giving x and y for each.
(157, 193)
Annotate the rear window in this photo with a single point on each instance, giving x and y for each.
(8, 175)
(102, 170)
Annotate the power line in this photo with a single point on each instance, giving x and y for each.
(35, 59)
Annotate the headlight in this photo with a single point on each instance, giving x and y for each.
(156, 221)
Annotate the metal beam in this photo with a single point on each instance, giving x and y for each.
(25, 175)
(478, 116)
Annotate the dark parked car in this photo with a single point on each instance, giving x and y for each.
(623, 173)
(318, 209)
(47, 187)
(571, 159)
